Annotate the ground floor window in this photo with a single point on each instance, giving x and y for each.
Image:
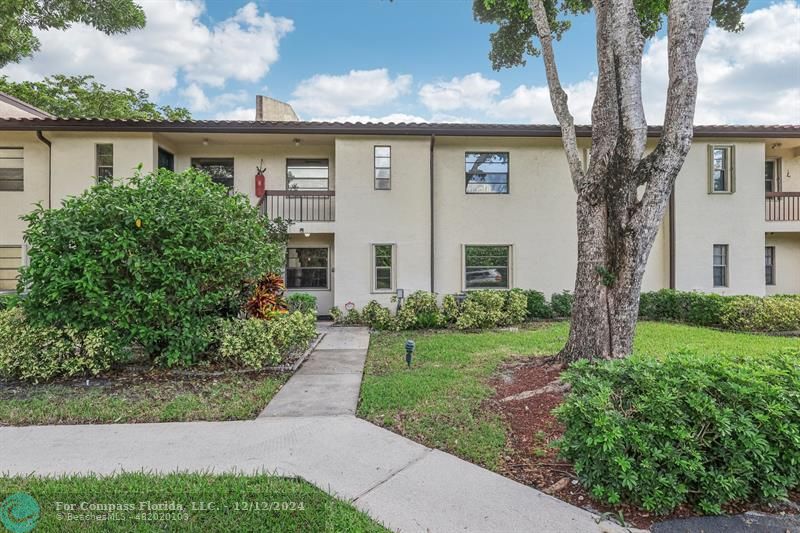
(383, 266)
(720, 265)
(487, 267)
(769, 264)
(307, 268)
(10, 261)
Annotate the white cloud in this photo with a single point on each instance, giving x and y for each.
(174, 42)
(195, 98)
(532, 103)
(238, 113)
(326, 95)
(751, 77)
(473, 91)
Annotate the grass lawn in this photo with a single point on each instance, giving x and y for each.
(143, 502)
(153, 396)
(438, 401)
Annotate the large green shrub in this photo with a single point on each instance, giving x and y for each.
(377, 317)
(154, 260)
(770, 314)
(692, 307)
(693, 428)
(488, 309)
(32, 352)
(537, 305)
(255, 343)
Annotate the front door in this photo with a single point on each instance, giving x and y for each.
(308, 270)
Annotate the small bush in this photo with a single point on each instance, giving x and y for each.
(254, 343)
(561, 304)
(35, 353)
(700, 429)
(696, 308)
(450, 309)
(300, 301)
(537, 306)
(349, 318)
(770, 314)
(515, 308)
(377, 317)
(420, 310)
(268, 298)
(481, 309)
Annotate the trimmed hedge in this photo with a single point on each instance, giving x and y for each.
(741, 313)
(699, 429)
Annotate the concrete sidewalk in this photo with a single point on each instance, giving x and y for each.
(398, 482)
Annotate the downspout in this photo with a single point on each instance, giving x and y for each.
(672, 238)
(46, 141)
(433, 236)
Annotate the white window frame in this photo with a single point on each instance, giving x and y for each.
(374, 268)
(376, 168)
(510, 284)
(730, 168)
(727, 266)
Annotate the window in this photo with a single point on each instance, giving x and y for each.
(486, 267)
(720, 265)
(166, 159)
(307, 174)
(383, 168)
(771, 176)
(383, 263)
(220, 169)
(10, 261)
(486, 172)
(104, 162)
(307, 268)
(769, 264)
(11, 169)
(721, 178)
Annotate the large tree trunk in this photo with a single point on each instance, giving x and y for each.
(623, 193)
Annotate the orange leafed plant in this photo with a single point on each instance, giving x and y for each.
(268, 299)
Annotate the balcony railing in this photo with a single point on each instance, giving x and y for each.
(299, 206)
(782, 206)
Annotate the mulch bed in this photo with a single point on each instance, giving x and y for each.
(530, 459)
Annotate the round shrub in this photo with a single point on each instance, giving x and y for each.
(255, 343)
(561, 304)
(481, 309)
(515, 308)
(420, 310)
(537, 306)
(377, 317)
(153, 260)
(705, 430)
(300, 301)
(34, 353)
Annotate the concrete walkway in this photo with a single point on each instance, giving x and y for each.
(400, 483)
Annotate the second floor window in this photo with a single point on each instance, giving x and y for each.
(721, 169)
(383, 168)
(771, 176)
(12, 169)
(769, 264)
(307, 174)
(486, 172)
(219, 168)
(720, 265)
(104, 162)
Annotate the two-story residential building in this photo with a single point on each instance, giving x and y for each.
(378, 208)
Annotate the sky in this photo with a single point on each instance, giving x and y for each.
(405, 61)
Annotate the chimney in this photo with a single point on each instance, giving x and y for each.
(274, 110)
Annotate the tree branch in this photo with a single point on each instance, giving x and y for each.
(558, 97)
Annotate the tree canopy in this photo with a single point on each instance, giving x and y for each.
(513, 40)
(19, 18)
(84, 97)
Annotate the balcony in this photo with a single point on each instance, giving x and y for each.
(299, 206)
(782, 206)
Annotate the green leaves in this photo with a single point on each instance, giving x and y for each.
(686, 428)
(19, 18)
(158, 283)
(83, 97)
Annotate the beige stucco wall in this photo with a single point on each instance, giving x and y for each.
(737, 219)
(787, 263)
(365, 216)
(13, 204)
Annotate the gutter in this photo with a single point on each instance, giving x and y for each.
(46, 141)
(433, 235)
(672, 238)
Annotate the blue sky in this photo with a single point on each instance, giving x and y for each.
(403, 60)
